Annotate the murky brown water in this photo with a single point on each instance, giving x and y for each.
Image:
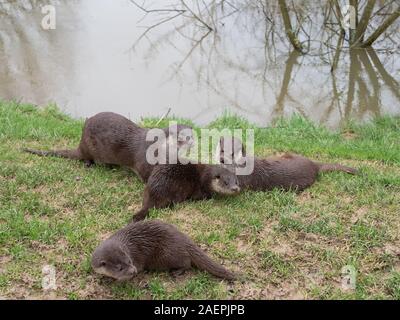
(87, 65)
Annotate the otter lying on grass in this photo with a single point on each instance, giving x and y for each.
(151, 245)
(174, 183)
(288, 172)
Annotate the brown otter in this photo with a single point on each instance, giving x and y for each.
(173, 183)
(151, 245)
(289, 171)
(110, 138)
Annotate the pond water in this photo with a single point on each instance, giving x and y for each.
(92, 62)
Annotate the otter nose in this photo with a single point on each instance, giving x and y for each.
(235, 188)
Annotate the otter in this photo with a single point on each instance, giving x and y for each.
(288, 172)
(110, 138)
(151, 245)
(174, 183)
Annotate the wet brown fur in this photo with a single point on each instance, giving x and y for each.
(110, 138)
(151, 245)
(288, 172)
(170, 184)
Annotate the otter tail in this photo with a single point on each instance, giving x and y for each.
(141, 214)
(203, 262)
(70, 154)
(327, 167)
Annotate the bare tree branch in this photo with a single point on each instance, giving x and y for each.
(148, 29)
(362, 26)
(382, 28)
(155, 10)
(288, 26)
(196, 16)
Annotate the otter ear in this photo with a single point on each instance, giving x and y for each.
(215, 172)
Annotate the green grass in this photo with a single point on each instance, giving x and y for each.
(284, 245)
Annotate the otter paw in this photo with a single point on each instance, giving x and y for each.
(137, 218)
(89, 163)
(178, 272)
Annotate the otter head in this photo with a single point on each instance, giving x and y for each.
(230, 150)
(224, 181)
(110, 259)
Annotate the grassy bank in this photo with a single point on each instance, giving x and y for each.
(286, 245)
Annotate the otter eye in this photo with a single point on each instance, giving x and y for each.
(217, 176)
(103, 263)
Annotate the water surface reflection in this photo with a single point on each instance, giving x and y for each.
(93, 62)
